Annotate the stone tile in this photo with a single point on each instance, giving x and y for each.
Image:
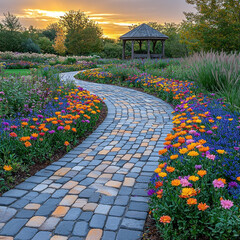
(50, 224)
(36, 221)
(124, 234)
(97, 221)
(77, 189)
(12, 227)
(58, 237)
(6, 238)
(102, 209)
(42, 235)
(94, 234)
(128, 182)
(64, 228)
(80, 229)
(115, 184)
(26, 233)
(108, 235)
(134, 224)
(60, 211)
(111, 169)
(112, 223)
(6, 214)
(80, 203)
(68, 200)
(117, 211)
(89, 207)
(62, 171)
(70, 185)
(32, 206)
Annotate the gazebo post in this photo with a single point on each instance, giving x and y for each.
(132, 49)
(148, 53)
(154, 45)
(123, 53)
(163, 53)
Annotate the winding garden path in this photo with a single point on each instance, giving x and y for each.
(97, 190)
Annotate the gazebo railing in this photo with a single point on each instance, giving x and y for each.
(142, 55)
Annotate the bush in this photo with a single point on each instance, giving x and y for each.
(30, 46)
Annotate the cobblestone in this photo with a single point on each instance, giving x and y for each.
(98, 189)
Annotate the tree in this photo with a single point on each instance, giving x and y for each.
(10, 36)
(11, 23)
(82, 34)
(30, 46)
(59, 42)
(215, 25)
(51, 31)
(46, 45)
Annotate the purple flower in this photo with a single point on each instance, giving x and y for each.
(40, 116)
(151, 192)
(236, 148)
(60, 128)
(233, 184)
(198, 167)
(52, 131)
(209, 132)
(5, 123)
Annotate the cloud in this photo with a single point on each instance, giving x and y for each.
(114, 16)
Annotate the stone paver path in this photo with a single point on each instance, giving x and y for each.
(98, 190)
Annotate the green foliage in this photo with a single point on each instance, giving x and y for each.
(111, 50)
(30, 46)
(82, 34)
(51, 31)
(46, 45)
(218, 73)
(215, 25)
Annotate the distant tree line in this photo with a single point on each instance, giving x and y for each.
(215, 26)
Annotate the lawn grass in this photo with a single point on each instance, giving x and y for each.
(22, 72)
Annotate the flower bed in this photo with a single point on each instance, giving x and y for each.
(195, 190)
(58, 116)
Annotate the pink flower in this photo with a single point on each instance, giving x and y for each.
(185, 182)
(226, 204)
(211, 156)
(218, 183)
(192, 132)
(189, 141)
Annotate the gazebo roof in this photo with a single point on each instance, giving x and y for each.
(144, 32)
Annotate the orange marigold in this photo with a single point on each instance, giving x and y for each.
(66, 143)
(170, 169)
(201, 173)
(175, 182)
(27, 144)
(202, 206)
(238, 178)
(183, 150)
(158, 184)
(162, 174)
(165, 219)
(162, 165)
(162, 151)
(7, 167)
(192, 201)
(172, 157)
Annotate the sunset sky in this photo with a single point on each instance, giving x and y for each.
(114, 16)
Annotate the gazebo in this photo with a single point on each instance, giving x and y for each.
(144, 33)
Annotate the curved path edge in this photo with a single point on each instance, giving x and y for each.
(98, 189)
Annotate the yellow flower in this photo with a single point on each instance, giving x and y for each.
(188, 192)
(162, 174)
(193, 154)
(183, 150)
(221, 151)
(219, 118)
(193, 178)
(157, 170)
(7, 167)
(230, 119)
